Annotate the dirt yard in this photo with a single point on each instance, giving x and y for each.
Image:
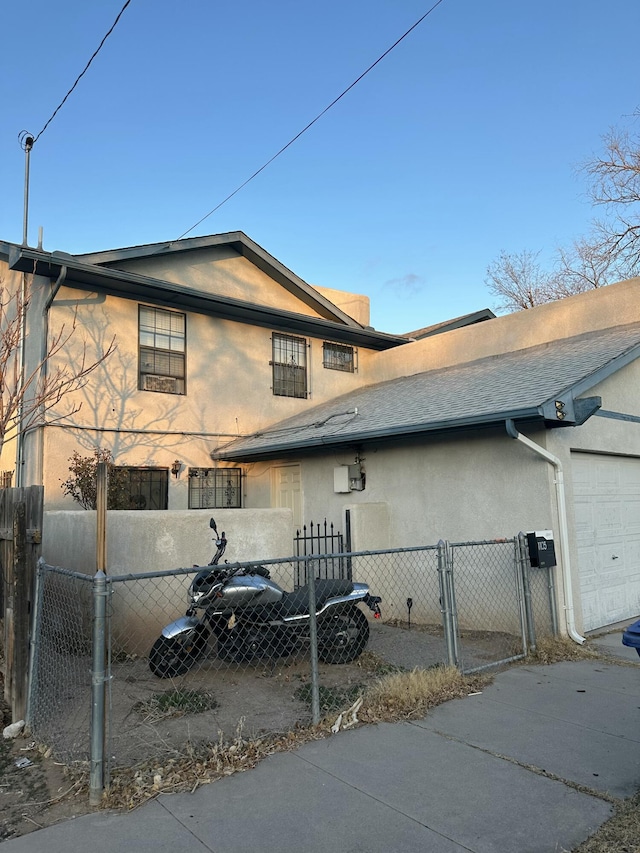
(150, 721)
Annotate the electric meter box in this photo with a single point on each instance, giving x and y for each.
(542, 549)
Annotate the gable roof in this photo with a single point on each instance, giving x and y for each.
(244, 246)
(523, 386)
(76, 271)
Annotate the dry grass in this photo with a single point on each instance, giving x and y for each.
(558, 649)
(395, 696)
(620, 834)
(407, 695)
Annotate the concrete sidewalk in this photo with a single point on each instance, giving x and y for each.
(521, 768)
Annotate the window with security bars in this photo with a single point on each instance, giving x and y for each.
(162, 336)
(215, 488)
(141, 488)
(338, 357)
(289, 365)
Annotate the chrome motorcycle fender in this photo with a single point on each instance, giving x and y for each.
(180, 626)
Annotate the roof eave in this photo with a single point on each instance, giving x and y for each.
(129, 285)
(280, 449)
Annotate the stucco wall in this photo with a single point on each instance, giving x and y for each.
(139, 542)
(472, 487)
(229, 393)
(617, 304)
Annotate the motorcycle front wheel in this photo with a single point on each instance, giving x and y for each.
(172, 656)
(346, 639)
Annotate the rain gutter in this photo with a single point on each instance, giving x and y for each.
(562, 521)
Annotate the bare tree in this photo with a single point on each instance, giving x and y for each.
(615, 185)
(26, 396)
(584, 266)
(517, 280)
(609, 253)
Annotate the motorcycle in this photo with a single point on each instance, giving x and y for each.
(251, 618)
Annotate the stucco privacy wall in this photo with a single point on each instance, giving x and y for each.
(616, 304)
(139, 541)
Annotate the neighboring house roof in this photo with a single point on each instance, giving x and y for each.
(523, 386)
(448, 325)
(72, 272)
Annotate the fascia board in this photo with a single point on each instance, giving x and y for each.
(607, 370)
(356, 437)
(129, 285)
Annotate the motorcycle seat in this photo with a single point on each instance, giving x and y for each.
(297, 603)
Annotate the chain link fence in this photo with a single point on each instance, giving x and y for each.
(177, 672)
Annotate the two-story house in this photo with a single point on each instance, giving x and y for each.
(235, 384)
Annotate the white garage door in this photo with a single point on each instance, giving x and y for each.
(607, 509)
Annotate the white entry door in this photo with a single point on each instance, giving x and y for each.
(286, 490)
(607, 510)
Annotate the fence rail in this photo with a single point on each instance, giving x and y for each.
(470, 605)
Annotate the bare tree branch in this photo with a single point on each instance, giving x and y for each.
(517, 281)
(610, 253)
(26, 399)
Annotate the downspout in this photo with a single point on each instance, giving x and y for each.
(45, 349)
(562, 521)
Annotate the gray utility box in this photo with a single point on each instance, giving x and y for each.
(542, 549)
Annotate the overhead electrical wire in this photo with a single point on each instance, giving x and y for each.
(312, 122)
(82, 73)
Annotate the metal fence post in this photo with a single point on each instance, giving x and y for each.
(450, 580)
(523, 562)
(445, 603)
(35, 645)
(313, 636)
(553, 605)
(98, 675)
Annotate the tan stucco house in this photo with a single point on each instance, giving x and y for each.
(235, 384)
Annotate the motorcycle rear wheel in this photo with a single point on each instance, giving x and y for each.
(172, 656)
(348, 638)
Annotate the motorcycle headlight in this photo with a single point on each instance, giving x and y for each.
(204, 586)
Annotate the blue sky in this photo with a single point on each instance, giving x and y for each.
(464, 141)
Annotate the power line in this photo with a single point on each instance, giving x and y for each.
(311, 123)
(84, 71)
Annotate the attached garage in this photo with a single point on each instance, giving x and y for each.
(607, 512)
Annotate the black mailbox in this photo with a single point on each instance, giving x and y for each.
(542, 550)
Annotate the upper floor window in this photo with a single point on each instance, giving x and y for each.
(289, 365)
(215, 488)
(162, 350)
(338, 357)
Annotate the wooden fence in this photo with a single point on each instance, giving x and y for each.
(20, 549)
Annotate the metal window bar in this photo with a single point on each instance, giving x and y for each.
(215, 488)
(338, 357)
(147, 488)
(289, 364)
